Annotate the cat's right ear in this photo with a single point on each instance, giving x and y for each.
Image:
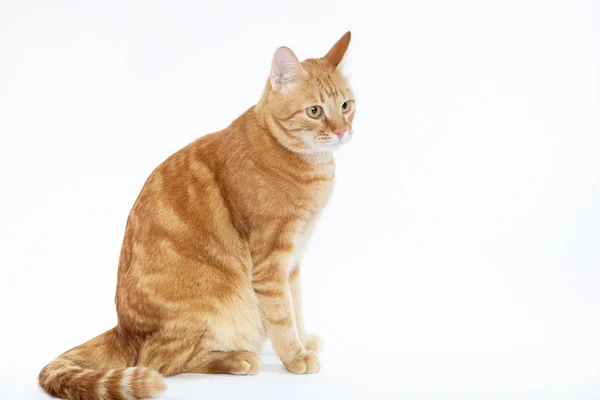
(285, 68)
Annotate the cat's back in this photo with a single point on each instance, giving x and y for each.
(180, 219)
(181, 225)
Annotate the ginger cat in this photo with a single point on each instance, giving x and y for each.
(209, 266)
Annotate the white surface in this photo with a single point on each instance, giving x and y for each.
(460, 255)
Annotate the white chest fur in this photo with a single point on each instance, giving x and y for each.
(300, 243)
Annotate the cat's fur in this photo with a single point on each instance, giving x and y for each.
(209, 266)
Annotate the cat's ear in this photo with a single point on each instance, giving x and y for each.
(285, 68)
(336, 54)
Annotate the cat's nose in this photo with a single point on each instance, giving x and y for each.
(341, 133)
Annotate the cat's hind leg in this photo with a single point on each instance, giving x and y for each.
(225, 362)
(168, 352)
(190, 352)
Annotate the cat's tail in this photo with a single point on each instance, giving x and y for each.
(101, 369)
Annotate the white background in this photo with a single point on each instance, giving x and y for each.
(459, 257)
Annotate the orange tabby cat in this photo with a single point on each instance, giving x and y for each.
(210, 260)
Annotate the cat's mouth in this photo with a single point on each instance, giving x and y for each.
(333, 146)
(332, 141)
(327, 143)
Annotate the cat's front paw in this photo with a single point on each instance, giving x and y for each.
(304, 363)
(312, 343)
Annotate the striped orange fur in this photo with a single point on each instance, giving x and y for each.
(209, 266)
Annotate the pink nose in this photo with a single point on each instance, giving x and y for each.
(340, 134)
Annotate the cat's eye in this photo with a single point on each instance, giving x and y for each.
(347, 106)
(314, 111)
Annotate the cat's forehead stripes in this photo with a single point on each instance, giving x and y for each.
(323, 78)
(325, 85)
(326, 89)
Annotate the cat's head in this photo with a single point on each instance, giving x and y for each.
(309, 104)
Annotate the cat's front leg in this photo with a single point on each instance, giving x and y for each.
(272, 286)
(310, 342)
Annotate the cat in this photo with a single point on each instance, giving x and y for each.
(210, 263)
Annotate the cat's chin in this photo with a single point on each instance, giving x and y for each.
(328, 148)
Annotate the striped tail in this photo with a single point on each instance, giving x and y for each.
(97, 371)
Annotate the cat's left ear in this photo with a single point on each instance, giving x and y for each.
(336, 54)
(285, 68)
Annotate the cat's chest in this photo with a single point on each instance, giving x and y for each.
(278, 197)
(317, 194)
(300, 241)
